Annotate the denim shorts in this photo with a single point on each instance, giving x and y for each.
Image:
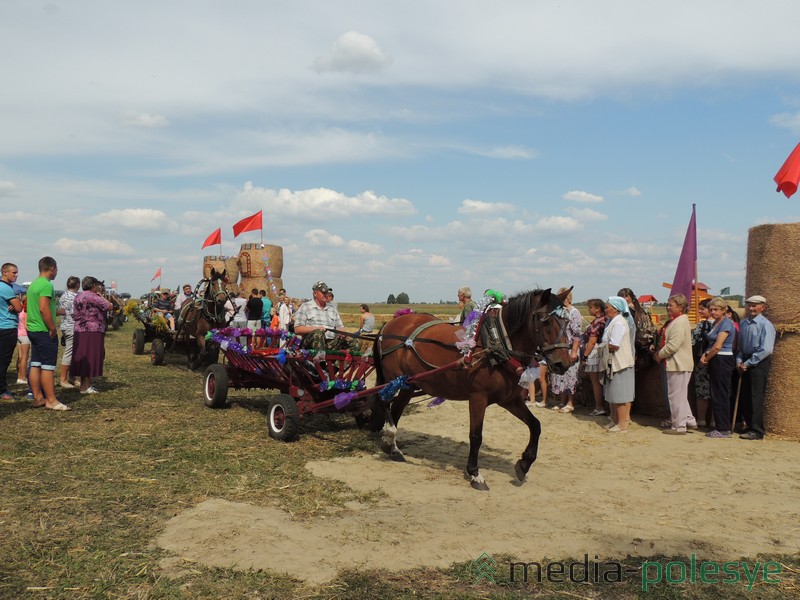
(44, 350)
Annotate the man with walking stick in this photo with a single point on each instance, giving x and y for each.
(753, 358)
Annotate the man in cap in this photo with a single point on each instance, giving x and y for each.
(753, 358)
(317, 321)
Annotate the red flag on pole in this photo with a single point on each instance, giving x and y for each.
(684, 274)
(789, 175)
(157, 275)
(214, 238)
(250, 223)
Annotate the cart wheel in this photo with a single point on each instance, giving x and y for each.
(373, 416)
(282, 418)
(215, 388)
(157, 352)
(138, 341)
(212, 353)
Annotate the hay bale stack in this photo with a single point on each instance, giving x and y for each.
(220, 263)
(783, 386)
(256, 264)
(773, 271)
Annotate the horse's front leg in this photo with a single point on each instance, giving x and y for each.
(389, 432)
(518, 409)
(477, 412)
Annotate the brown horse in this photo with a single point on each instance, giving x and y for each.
(418, 345)
(199, 315)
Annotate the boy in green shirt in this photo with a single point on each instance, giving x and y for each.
(44, 336)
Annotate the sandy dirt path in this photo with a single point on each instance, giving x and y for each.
(606, 495)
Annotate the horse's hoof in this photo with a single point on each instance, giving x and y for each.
(386, 447)
(479, 485)
(397, 456)
(521, 475)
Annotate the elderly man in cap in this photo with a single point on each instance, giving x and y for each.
(317, 321)
(162, 304)
(753, 358)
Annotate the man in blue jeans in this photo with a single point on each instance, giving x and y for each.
(10, 307)
(753, 358)
(44, 336)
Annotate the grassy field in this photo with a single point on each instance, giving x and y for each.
(83, 495)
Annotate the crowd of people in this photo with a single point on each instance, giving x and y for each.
(724, 357)
(28, 321)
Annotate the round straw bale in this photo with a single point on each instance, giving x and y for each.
(783, 384)
(773, 269)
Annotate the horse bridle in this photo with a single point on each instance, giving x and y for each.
(212, 298)
(541, 352)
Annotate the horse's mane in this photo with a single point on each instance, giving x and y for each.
(518, 309)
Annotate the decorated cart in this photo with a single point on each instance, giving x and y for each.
(308, 381)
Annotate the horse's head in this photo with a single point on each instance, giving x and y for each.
(537, 324)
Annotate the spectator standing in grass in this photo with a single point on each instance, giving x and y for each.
(65, 307)
(753, 359)
(253, 310)
(10, 308)
(44, 336)
(89, 316)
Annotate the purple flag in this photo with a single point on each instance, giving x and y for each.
(684, 274)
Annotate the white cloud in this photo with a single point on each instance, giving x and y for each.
(508, 152)
(360, 247)
(790, 121)
(319, 204)
(436, 260)
(135, 218)
(633, 191)
(586, 214)
(480, 208)
(144, 120)
(353, 52)
(7, 189)
(320, 237)
(579, 196)
(558, 224)
(92, 247)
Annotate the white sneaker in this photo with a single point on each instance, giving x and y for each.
(540, 404)
(66, 385)
(21, 382)
(90, 390)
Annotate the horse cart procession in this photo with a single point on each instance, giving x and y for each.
(194, 320)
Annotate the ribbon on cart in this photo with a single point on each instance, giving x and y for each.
(394, 386)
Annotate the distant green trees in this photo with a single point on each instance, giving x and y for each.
(402, 298)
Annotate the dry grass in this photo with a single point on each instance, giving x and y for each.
(83, 494)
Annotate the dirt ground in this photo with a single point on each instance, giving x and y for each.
(590, 492)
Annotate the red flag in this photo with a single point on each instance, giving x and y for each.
(250, 223)
(214, 238)
(157, 275)
(789, 174)
(684, 274)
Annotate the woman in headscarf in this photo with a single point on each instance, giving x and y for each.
(89, 316)
(644, 333)
(619, 374)
(677, 357)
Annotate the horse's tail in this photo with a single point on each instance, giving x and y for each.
(376, 358)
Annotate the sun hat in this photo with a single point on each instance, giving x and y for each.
(756, 300)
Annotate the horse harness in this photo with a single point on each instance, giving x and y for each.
(497, 346)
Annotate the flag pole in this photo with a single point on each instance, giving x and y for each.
(696, 276)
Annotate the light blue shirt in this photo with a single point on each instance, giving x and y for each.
(8, 319)
(756, 340)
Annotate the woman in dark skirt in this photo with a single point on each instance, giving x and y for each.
(89, 315)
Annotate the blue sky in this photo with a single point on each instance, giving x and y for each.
(397, 146)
